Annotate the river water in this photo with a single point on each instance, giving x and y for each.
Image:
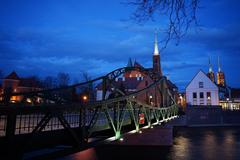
(205, 143)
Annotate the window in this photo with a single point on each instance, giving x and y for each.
(209, 98)
(200, 84)
(201, 95)
(208, 95)
(194, 95)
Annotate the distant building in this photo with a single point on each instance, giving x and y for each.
(224, 90)
(202, 91)
(235, 94)
(182, 100)
(12, 83)
(232, 103)
(220, 76)
(135, 80)
(210, 73)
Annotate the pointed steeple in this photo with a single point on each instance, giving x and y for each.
(220, 75)
(156, 58)
(210, 73)
(219, 65)
(130, 64)
(156, 52)
(210, 70)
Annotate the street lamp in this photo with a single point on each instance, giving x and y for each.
(85, 98)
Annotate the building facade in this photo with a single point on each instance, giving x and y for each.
(12, 83)
(202, 91)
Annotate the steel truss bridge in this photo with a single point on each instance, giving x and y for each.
(44, 116)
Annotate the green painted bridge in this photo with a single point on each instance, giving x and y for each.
(72, 116)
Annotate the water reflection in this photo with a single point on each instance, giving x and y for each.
(189, 143)
(181, 148)
(89, 154)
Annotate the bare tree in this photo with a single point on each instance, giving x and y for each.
(179, 13)
(49, 82)
(88, 88)
(63, 79)
(85, 76)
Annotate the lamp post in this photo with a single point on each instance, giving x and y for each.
(84, 114)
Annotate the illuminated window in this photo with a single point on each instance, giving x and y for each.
(209, 98)
(208, 95)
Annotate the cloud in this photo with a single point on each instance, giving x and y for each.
(52, 50)
(224, 40)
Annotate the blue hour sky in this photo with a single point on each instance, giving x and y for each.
(50, 36)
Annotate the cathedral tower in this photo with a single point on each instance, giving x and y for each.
(210, 73)
(156, 58)
(220, 76)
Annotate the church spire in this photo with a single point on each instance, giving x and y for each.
(156, 58)
(219, 65)
(210, 73)
(156, 52)
(220, 75)
(210, 66)
(130, 64)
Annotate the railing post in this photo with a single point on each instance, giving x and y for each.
(12, 148)
(82, 126)
(11, 125)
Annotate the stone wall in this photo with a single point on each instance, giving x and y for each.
(211, 116)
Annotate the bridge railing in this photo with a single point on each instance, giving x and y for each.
(59, 109)
(23, 120)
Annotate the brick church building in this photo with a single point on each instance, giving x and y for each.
(135, 80)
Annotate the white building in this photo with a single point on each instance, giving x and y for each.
(202, 91)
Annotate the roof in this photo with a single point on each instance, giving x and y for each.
(12, 76)
(136, 64)
(171, 85)
(196, 76)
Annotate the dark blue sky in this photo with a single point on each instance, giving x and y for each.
(46, 37)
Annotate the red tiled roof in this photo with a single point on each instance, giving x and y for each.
(12, 76)
(136, 64)
(171, 85)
